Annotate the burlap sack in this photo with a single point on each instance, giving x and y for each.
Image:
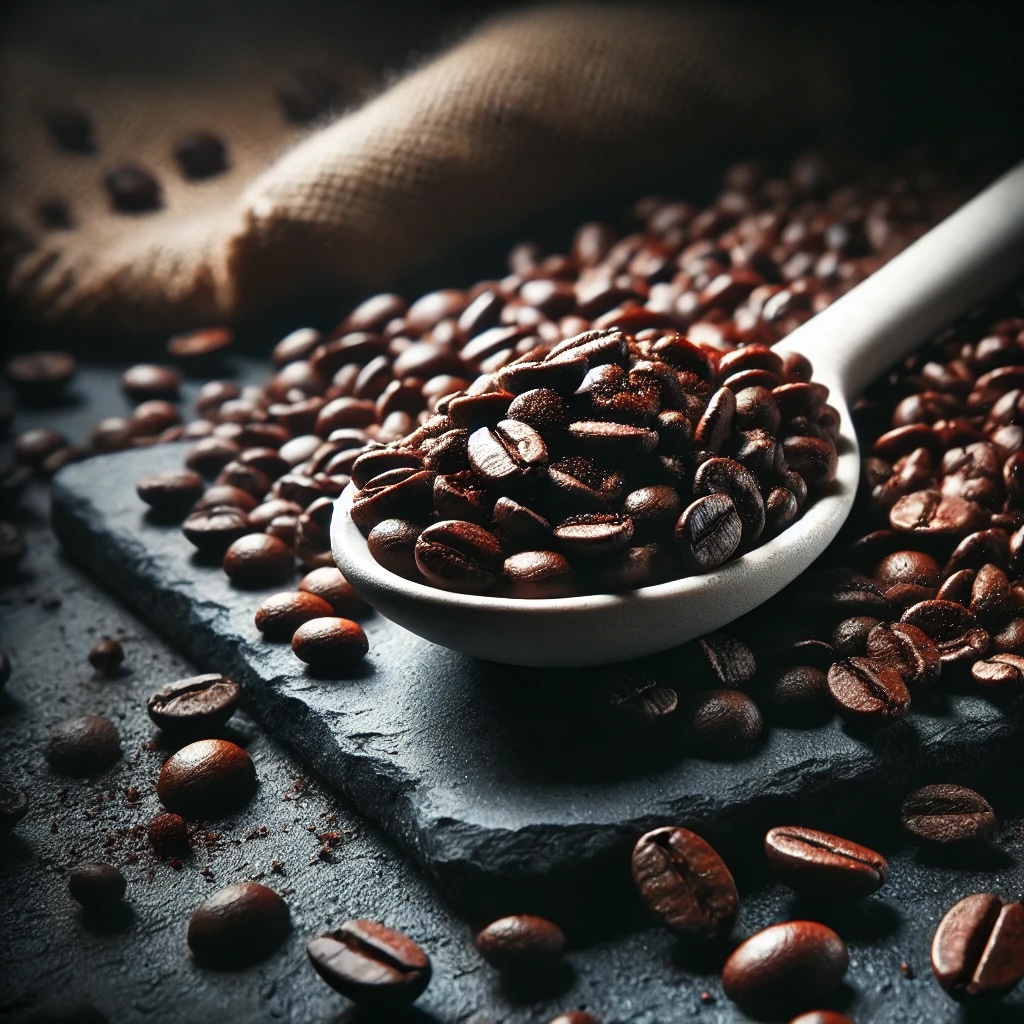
(529, 109)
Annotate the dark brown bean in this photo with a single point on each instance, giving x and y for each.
(819, 863)
(330, 585)
(238, 925)
(206, 779)
(329, 643)
(41, 377)
(725, 723)
(392, 543)
(510, 455)
(725, 476)
(598, 533)
(168, 836)
(866, 688)
(908, 650)
(822, 1017)
(213, 530)
(145, 381)
(1000, 672)
(280, 615)
(709, 532)
(929, 513)
(642, 699)
(946, 813)
(521, 942)
(575, 1017)
(730, 661)
(257, 560)
(34, 447)
(197, 703)
(106, 656)
(171, 492)
(455, 555)
(83, 746)
(97, 886)
(539, 574)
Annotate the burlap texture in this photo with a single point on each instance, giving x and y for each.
(528, 110)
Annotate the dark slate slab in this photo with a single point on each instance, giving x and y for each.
(496, 779)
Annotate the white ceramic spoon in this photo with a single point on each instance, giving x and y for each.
(965, 259)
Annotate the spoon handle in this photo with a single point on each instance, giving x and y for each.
(964, 260)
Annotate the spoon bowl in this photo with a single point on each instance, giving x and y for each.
(977, 250)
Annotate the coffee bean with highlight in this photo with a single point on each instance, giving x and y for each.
(83, 746)
(725, 476)
(238, 925)
(819, 863)
(867, 689)
(206, 779)
(709, 532)
(331, 586)
(280, 615)
(725, 723)
(907, 649)
(97, 886)
(946, 813)
(539, 574)
(392, 543)
(590, 535)
(213, 530)
(170, 493)
(257, 560)
(330, 644)
(521, 942)
(106, 656)
(1002, 672)
(461, 556)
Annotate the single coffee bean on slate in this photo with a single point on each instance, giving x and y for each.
(203, 702)
(106, 656)
(239, 925)
(708, 532)
(206, 779)
(257, 560)
(377, 967)
(168, 836)
(684, 882)
(1001, 672)
(329, 643)
(171, 492)
(822, 1017)
(945, 813)
(97, 885)
(72, 129)
(522, 941)
(209, 455)
(152, 418)
(41, 377)
(83, 746)
(201, 155)
(784, 966)
(456, 555)
(13, 806)
(868, 689)
(907, 649)
(213, 530)
(280, 615)
(34, 447)
(725, 723)
(819, 863)
(144, 381)
(331, 586)
(978, 947)
(133, 189)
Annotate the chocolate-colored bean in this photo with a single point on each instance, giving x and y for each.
(990, 596)
(543, 409)
(224, 495)
(819, 863)
(946, 813)
(725, 476)
(40, 378)
(725, 723)
(814, 459)
(509, 455)
(716, 423)
(213, 530)
(654, 511)
(907, 649)
(34, 447)
(908, 567)
(612, 442)
(194, 704)
(257, 560)
(460, 496)
(378, 968)
(455, 555)
(280, 615)
(539, 574)
(170, 493)
(929, 513)
(206, 779)
(1003, 671)
(597, 533)
(640, 698)
(709, 531)
(152, 417)
(329, 643)
(850, 636)
(238, 925)
(97, 886)
(168, 836)
(209, 455)
(392, 543)
(866, 688)
(521, 942)
(822, 1017)
(685, 883)
(396, 494)
(83, 746)
(331, 586)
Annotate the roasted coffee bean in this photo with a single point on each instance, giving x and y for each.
(575, 1017)
(822, 1017)
(784, 966)
(13, 806)
(194, 704)
(814, 459)
(653, 510)
(239, 925)
(952, 627)
(83, 746)
(41, 377)
(280, 615)
(543, 409)
(946, 813)
(907, 649)
(224, 495)
(1001, 672)
(152, 418)
(97, 886)
(508, 455)
(684, 882)
(850, 636)
(715, 424)
(730, 661)
(34, 447)
(725, 723)
(171, 492)
(461, 556)
(990, 595)
(201, 155)
(599, 533)
(521, 942)
(329, 643)
(206, 779)
(930, 514)
(643, 699)
(520, 528)
(908, 567)
(378, 968)
(392, 543)
(213, 530)
(329, 585)
(978, 947)
(822, 864)
(72, 129)
(797, 689)
(866, 688)
(210, 455)
(724, 476)
(709, 532)
(145, 381)
(106, 656)
(168, 836)
(395, 494)
(257, 560)
(133, 189)
(539, 574)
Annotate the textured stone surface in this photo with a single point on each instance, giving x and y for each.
(496, 779)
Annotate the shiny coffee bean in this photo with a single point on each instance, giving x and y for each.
(543, 409)
(331, 586)
(907, 649)
(168, 836)
(170, 493)
(395, 494)
(329, 643)
(539, 574)
(930, 514)
(460, 556)
(784, 966)
(238, 925)
(865, 688)
(709, 532)
(145, 381)
(653, 510)
(725, 723)
(797, 690)
(83, 746)
(106, 656)
(945, 813)
(41, 377)
(194, 704)
(850, 636)
(213, 530)
(97, 886)
(684, 882)
(575, 1017)
(1000, 672)
(508, 455)
(378, 968)
(521, 942)
(724, 476)
(822, 1017)
(978, 947)
(257, 560)
(599, 533)
(34, 447)
(206, 779)
(392, 543)
(822, 864)
(280, 615)
(730, 661)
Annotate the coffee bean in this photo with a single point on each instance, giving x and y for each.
(41, 377)
(329, 585)
(822, 864)
(725, 723)
(34, 447)
(928, 513)
(133, 189)
(151, 418)
(709, 532)
(257, 560)
(395, 494)
(784, 966)
(197, 703)
(206, 779)
(908, 567)
(725, 476)
(106, 656)
(72, 129)
(521, 942)
(684, 882)
(575, 1017)
(850, 636)
(97, 886)
(543, 409)
(201, 155)
(13, 806)
(378, 968)
(539, 574)
(329, 643)
(642, 699)
(1001, 672)
(946, 813)
(908, 650)
(461, 556)
(280, 615)
(822, 1017)
(510, 455)
(238, 925)
(731, 662)
(653, 510)
(978, 947)
(598, 533)
(213, 530)
(210, 455)
(953, 628)
(715, 424)
(203, 349)
(144, 382)
(797, 689)
(392, 543)
(83, 746)
(171, 492)
(866, 688)
(168, 836)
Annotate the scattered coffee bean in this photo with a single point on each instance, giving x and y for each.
(865, 688)
(821, 864)
(206, 779)
(725, 723)
(329, 585)
(199, 703)
(329, 643)
(784, 966)
(978, 947)
(280, 615)
(822, 1017)
(684, 882)
(521, 942)
(239, 925)
(168, 836)
(201, 350)
(106, 656)
(72, 129)
(257, 560)
(97, 886)
(41, 377)
(171, 492)
(144, 382)
(378, 968)
(13, 806)
(201, 155)
(34, 447)
(213, 530)
(946, 813)
(83, 746)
